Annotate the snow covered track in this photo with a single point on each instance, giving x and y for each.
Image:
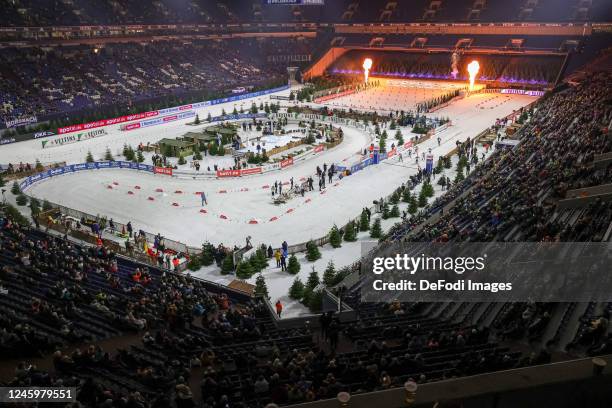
(245, 207)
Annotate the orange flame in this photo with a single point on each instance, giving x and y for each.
(473, 68)
(367, 65)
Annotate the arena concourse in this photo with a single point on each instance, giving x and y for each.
(192, 194)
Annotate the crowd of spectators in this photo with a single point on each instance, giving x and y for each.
(48, 82)
(83, 12)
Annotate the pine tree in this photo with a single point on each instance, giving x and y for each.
(329, 276)
(228, 264)
(2, 182)
(394, 212)
(89, 158)
(422, 202)
(125, 150)
(108, 156)
(261, 259)
(350, 232)
(21, 200)
(427, 189)
(334, 237)
(399, 137)
(385, 211)
(15, 188)
(296, 291)
(261, 289)
(364, 223)
(46, 206)
(197, 120)
(293, 266)
(38, 166)
(395, 197)
(212, 149)
(312, 251)
(413, 206)
(376, 230)
(208, 254)
(131, 154)
(406, 195)
(181, 160)
(34, 206)
(140, 157)
(459, 177)
(209, 117)
(313, 280)
(382, 144)
(244, 270)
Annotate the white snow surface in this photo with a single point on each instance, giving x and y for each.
(246, 199)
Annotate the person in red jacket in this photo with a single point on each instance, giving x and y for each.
(279, 308)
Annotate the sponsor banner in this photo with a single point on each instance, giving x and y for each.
(522, 92)
(130, 126)
(24, 120)
(159, 121)
(106, 122)
(429, 163)
(238, 117)
(163, 170)
(286, 163)
(334, 96)
(161, 112)
(228, 173)
(84, 166)
(25, 136)
(319, 148)
(63, 140)
(247, 172)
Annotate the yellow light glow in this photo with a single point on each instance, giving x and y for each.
(367, 65)
(473, 68)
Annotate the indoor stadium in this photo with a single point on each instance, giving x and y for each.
(305, 203)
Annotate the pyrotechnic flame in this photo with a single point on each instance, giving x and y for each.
(367, 65)
(473, 68)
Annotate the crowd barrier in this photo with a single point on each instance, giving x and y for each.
(73, 168)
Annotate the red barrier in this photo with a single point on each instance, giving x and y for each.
(287, 162)
(130, 192)
(222, 191)
(247, 172)
(319, 148)
(289, 210)
(115, 183)
(159, 190)
(228, 173)
(163, 170)
(109, 187)
(178, 192)
(137, 187)
(266, 186)
(203, 211)
(273, 218)
(223, 217)
(253, 222)
(151, 199)
(308, 200)
(408, 145)
(175, 204)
